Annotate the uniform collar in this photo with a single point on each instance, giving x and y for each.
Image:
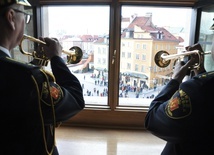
(6, 51)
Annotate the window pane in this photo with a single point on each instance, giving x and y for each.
(88, 28)
(206, 35)
(145, 31)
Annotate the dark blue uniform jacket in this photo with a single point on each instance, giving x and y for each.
(33, 102)
(183, 116)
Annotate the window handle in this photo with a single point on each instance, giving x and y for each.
(113, 58)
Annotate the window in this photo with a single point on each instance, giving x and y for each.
(206, 35)
(157, 35)
(143, 57)
(91, 36)
(137, 56)
(128, 66)
(110, 37)
(129, 55)
(142, 69)
(144, 46)
(136, 67)
(123, 54)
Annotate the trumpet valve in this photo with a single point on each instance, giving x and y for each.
(40, 59)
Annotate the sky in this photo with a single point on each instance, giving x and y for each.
(95, 20)
(80, 19)
(161, 16)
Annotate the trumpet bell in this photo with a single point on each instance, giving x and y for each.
(75, 55)
(160, 62)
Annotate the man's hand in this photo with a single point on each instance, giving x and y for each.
(51, 48)
(181, 69)
(196, 58)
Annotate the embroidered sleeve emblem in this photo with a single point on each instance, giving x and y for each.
(53, 91)
(174, 104)
(179, 106)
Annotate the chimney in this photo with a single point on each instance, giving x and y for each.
(133, 17)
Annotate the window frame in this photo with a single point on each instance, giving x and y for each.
(113, 116)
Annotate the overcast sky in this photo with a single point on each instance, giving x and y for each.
(95, 20)
(162, 16)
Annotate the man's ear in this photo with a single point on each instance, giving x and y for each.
(10, 17)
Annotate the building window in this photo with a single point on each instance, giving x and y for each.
(143, 57)
(128, 66)
(129, 55)
(136, 67)
(123, 54)
(137, 56)
(142, 69)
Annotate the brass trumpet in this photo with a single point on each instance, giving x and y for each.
(163, 58)
(74, 54)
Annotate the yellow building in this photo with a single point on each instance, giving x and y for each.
(140, 42)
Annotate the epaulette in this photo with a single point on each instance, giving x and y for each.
(9, 62)
(206, 75)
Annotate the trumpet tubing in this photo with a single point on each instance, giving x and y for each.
(74, 54)
(163, 58)
(173, 56)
